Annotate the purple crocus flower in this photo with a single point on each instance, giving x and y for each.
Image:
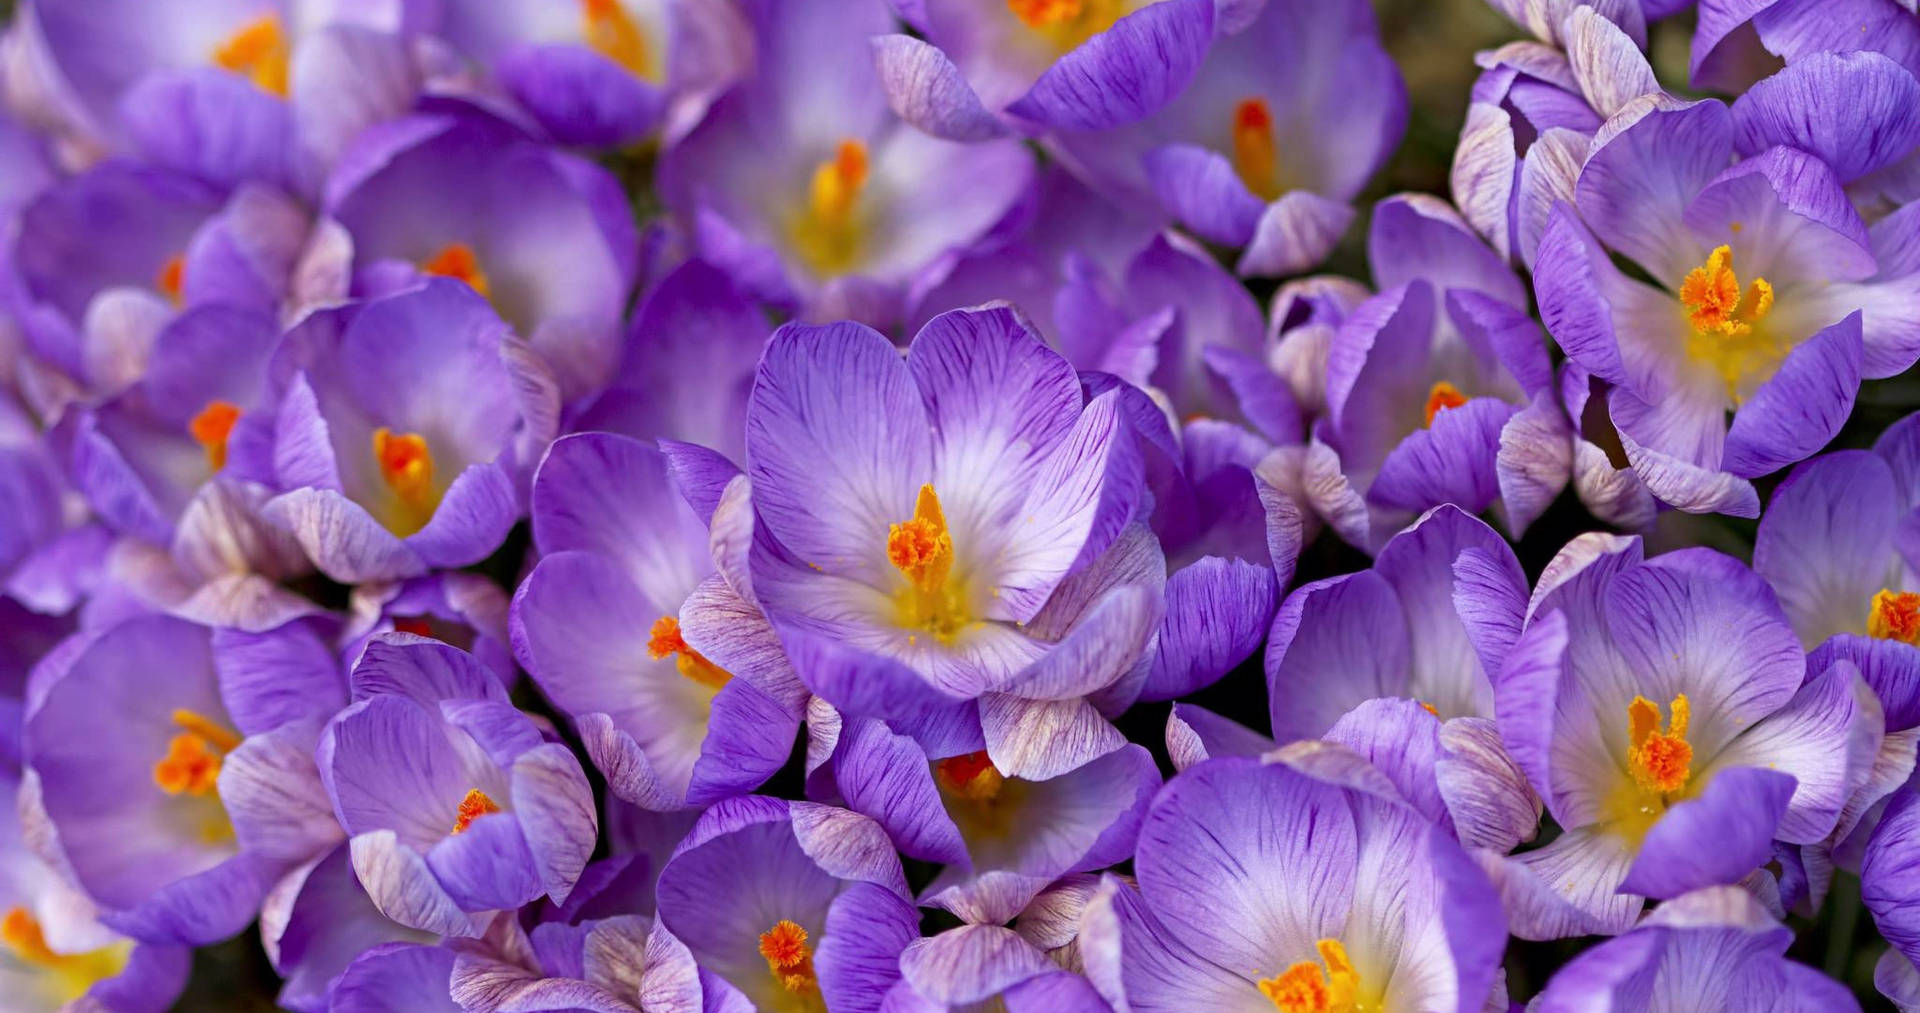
(600, 73)
(943, 541)
(1886, 887)
(1264, 886)
(982, 70)
(675, 680)
(545, 236)
(1281, 128)
(1718, 941)
(396, 978)
(974, 965)
(53, 950)
(454, 802)
(1776, 298)
(804, 187)
(317, 923)
(1738, 43)
(789, 906)
(620, 964)
(1665, 713)
(403, 427)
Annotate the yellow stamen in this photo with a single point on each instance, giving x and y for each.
(610, 31)
(1066, 23)
(191, 765)
(72, 973)
(1329, 986)
(969, 776)
(828, 234)
(664, 641)
(260, 51)
(406, 465)
(172, 279)
(1728, 332)
(1895, 616)
(921, 548)
(211, 428)
(788, 956)
(457, 260)
(1256, 157)
(1441, 397)
(1659, 761)
(475, 805)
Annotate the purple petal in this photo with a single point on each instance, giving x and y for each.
(1124, 73)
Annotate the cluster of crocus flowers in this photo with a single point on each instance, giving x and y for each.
(652, 506)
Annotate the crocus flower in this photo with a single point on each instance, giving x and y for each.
(600, 73)
(789, 906)
(545, 236)
(53, 950)
(944, 540)
(1726, 56)
(396, 978)
(1886, 887)
(1262, 886)
(616, 621)
(454, 803)
(1665, 713)
(404, 425)
(317, 924)
(1718, 941)
(963, 968)
(981, 70)
(1774, 298)
(806, 189)
(1282, 126)
(605, 965)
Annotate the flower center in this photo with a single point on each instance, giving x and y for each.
(1066, 23)
(1329, 986)
(1659, 761)
(211, 428)
(1441, 397)
(922, 550)
(828, 233)
(259, 51)
(1895, 616)
(1728, 332)
(610, 31)
(664, 641)
(1256, 158)
(789, 957)
(475, 805)
(457, 260)
(406, 466)
(191, 765)
(970, 776)
(72, 973)
(172, 278)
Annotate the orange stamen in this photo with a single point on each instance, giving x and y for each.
(192, 762)
(406, 465)
(921, 548)
(457, 260)
(172, 279)
(211, 428)
(1895, 616)
(1256, 157)
(475, 805)
(1038, 14)
(664, 641)
(1711, 294)
(1310, 987)
(1659, 761)
(970, 776)
(788, 956)
(612, 33)
(258, 50)
(1442, 397)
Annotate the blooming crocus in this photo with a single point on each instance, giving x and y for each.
(601, 73)
(53, 950)
(546, 237)
(1438, 389)
(1666, 715)
(403, 427)
(813, 195)
(1280, 129)
(1718, 941)
(975, 965)
(1771, 301)
(944, 540)
(987, 69)
(1735, 44)
(616, 621)
(790, 906)
(1262, 886)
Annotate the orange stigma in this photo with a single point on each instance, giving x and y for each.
(1711, 294)
(1895, 616)
(969, 776)
(191, 765)
(789, 958)
(664, 641)
(1442, 397)
(211, 428)
(1066, 23)
(1256, 157)
(921, 548)
(172, 279)
(828, 234)
(407, 468)
(610, 31)
(258, 51)
(472, 807)
(1046, 13)
(457, 260)
(1659, 761)
(1329, 986)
